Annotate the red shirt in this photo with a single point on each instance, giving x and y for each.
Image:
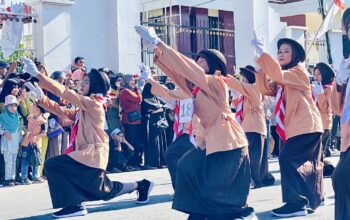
(130, 101)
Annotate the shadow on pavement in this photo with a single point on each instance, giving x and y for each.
(110, 206)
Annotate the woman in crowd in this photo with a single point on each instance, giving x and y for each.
(81, 175)
(298, 124)
(130, 101)
(212, 180)
(155, 124)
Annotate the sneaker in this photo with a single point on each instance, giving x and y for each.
(9, 183)
(25, 181)
(290, 210)
(144, 188)
(115, 170)
(38, 180)
(248, 214)
(70, 211)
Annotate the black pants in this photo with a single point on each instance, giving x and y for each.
(156, 143)
(132, 135)
(341, 186)
(276, 138)
(326, 137)
(302, 170)
(72, 183)
(258, 160)
(174, 153)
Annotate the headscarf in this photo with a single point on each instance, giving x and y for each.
(99, 82)
(327, 73)
(126, 81)
(9, 121)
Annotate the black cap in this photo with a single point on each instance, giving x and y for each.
(215, 59)
(249, 73)
(299, 49)
(99, 82)
(327, 73)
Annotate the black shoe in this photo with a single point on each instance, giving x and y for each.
(9, 183)
(115, 170)
(290, 210)
(70, 211)
(247, 214)
(144, 188)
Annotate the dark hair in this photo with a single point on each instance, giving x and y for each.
(77, 59)
(326, 72)
(7, 89)
(99, 82)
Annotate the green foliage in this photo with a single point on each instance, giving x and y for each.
(15, 57)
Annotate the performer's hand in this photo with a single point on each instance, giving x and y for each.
(343, 72)
(318, 89)
(145, 72)
(30, 67)
(148, 34)
(258, 45)
(35, 91)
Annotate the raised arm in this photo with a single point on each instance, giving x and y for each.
(247, 90)
(165, 93)
(82, 102)
(294, 77)
(56, 109)
(264, 86)
(183, 66)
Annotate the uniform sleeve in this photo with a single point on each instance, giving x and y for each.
(163, 92)
(247, 90)
(294, 77)
(56, 109)
(184, 66)
(335, 100)
(84, 103)
(323, 99)
(265, 86)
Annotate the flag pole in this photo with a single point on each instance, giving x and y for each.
(329, 56)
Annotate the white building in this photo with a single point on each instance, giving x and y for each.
(102, 31)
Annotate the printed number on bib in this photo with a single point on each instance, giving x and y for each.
(186, 110)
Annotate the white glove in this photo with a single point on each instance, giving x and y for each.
(258, 45)
(234, 94)
(150, 47)
(343, 72)
(35, 91)
(30, 67)
(145, 72)
(318, 89)
(147, 34)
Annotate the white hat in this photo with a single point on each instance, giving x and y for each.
(116, 131)
(10, 99)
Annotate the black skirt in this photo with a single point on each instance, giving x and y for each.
(72, 183)
(259, 167)
(215, 184)
(341, 186)
(302, 170)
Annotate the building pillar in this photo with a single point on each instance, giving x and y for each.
(52, 33)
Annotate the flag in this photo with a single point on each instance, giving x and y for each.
(327, 22)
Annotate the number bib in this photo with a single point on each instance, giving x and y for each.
(186, 110)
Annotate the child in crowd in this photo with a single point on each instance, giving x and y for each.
(37, 127)
(121, 152)
(10, 130)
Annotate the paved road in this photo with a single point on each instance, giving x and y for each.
(33, 201)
